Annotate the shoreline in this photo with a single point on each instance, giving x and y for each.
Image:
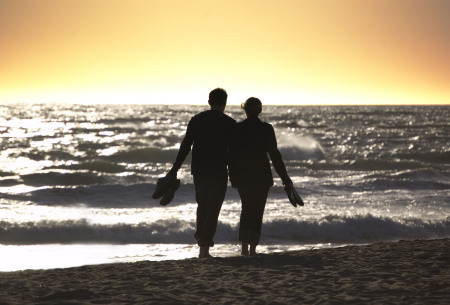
(404, 272)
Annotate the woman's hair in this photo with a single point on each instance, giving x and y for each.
(252, 106)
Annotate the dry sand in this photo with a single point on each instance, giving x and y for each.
(406, 272)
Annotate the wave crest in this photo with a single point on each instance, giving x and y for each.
(300, 148)
(328, 229)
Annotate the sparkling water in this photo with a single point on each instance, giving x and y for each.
(76, 181)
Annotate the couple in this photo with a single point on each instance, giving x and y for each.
(219, 142)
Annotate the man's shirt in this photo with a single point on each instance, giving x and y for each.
(208, 133)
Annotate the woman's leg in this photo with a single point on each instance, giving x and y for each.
(253, 200)
(252, 250)
(244, 250)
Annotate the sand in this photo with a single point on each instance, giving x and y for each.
(405, 272)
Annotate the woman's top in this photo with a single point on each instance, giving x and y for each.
(251, 142)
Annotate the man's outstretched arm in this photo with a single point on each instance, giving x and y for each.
(184, 150)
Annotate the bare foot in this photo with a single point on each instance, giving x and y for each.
(204, 253)
(253, 250)
(244, 253)
(244, 250)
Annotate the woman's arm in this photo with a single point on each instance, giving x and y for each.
(276, 158)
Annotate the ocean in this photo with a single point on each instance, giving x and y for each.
(76, 181)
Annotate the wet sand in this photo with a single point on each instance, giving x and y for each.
(405, 272)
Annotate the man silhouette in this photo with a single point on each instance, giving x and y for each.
(208, 133)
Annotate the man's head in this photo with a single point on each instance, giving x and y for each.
(218, 98)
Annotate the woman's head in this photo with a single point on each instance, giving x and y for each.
(252, 107)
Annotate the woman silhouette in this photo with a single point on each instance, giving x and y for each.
(250, 171)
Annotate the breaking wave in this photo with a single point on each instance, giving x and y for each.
(329, 229)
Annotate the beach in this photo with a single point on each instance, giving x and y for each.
(75, 199)
(404, 272)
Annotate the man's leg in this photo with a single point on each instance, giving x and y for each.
(210, 193)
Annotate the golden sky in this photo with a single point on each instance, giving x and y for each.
(176, 51)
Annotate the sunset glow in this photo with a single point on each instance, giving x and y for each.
(173, 51)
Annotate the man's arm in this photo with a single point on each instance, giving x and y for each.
(184, 150)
